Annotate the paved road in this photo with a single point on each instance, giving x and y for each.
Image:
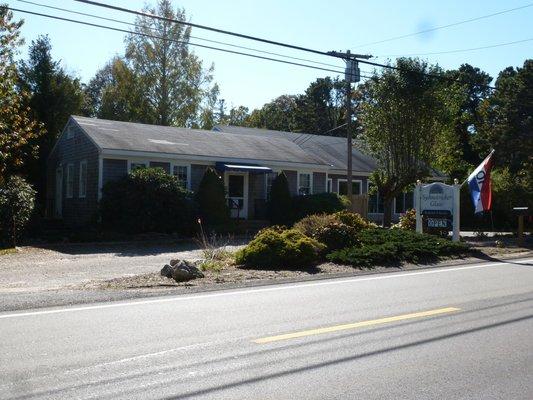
(457, 333)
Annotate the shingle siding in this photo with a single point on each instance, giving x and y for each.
(72, 150)
(197, 173)
(292, 178)
(319, 182)
(256, 196)
(113, 169)
(164, 165)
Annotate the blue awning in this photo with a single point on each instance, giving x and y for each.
(255, 169)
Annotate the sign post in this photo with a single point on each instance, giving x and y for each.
(437, 207)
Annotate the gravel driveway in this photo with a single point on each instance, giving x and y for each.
(58, 267)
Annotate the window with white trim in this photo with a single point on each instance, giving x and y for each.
(403, 202)
(304, 184)
(70, 132)
(343, 187)
(82, 187)
(269, 177)
(70, 181)
(182, 173)
(375, 202)
(329, 187)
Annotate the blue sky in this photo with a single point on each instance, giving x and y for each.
(323, 25)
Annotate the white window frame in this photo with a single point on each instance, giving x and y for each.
(379, 198)
(69, 191)
(298, 181)
(329, 185)
(144, 162)
(266, 181)
(188, 166)
(353, 180)
(80, 180)
(403, 194)
(70, 132)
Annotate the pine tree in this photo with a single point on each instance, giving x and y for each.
(279, 207)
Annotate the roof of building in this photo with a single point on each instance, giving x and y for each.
(117, 135)
(331, 149)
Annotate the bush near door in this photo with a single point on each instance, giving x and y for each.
(147, 200)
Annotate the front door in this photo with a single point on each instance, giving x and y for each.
(59, 193)
(237, 185)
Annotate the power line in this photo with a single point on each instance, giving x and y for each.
(330, 54)
(172, 40)
(458, 51)
(205, 27)
(193, 37)
(446, 26)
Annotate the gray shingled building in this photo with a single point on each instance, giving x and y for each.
(92, 152)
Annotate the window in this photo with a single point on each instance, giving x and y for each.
(329, 187)
(403, 202)
(83, 179)
(70, 181)
(375, 203)
(136, 165)
(270, 176)
(182, 173)
(343, 187)
(304, 184)
(70, 132)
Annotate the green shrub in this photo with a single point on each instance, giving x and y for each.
(272, 248)
(212, 204)
(279, 206)
(354, 220)
(337, 236)
(147, 200)
(391, 246)
(407, 221)
(311, 224)
(17, 200)
(319, 203)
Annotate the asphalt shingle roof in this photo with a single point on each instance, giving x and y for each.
(330, 149)
(117, 135)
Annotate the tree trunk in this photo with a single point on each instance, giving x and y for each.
(387, 212)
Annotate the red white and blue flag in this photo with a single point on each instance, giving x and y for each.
(480, 185)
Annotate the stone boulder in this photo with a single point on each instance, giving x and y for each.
(181, 271)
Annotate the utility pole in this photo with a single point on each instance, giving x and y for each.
(352, 74)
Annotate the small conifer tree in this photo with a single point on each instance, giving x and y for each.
(211, 199)
(279, 207)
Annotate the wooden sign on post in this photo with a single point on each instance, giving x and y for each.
(437, 207)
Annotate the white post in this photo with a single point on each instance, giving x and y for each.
(417, 207)
(456, 210)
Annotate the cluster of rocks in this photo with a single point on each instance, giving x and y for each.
(181, 270)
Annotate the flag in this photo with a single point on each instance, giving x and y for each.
(480, 185)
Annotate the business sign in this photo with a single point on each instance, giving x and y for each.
(436, 197)
(437, 207)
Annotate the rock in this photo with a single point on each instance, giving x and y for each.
(181, 271)
(166, 271)
(174, 261)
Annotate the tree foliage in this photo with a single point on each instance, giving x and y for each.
(401, 122)
(211, 199)
(54, 95)
(18, 129)
(17, 200)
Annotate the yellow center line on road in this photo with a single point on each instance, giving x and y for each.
(362, 324)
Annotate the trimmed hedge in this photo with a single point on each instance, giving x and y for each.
(391, 246)
(212, 203)
(279, 206)
(328, 203)
(147, 200)
(278, 248)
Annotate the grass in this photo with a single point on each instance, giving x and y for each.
(11, 250)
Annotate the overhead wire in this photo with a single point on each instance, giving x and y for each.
(458, 51)
(191, 36)
(268, 41)
(173, 40)
(446, 26)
